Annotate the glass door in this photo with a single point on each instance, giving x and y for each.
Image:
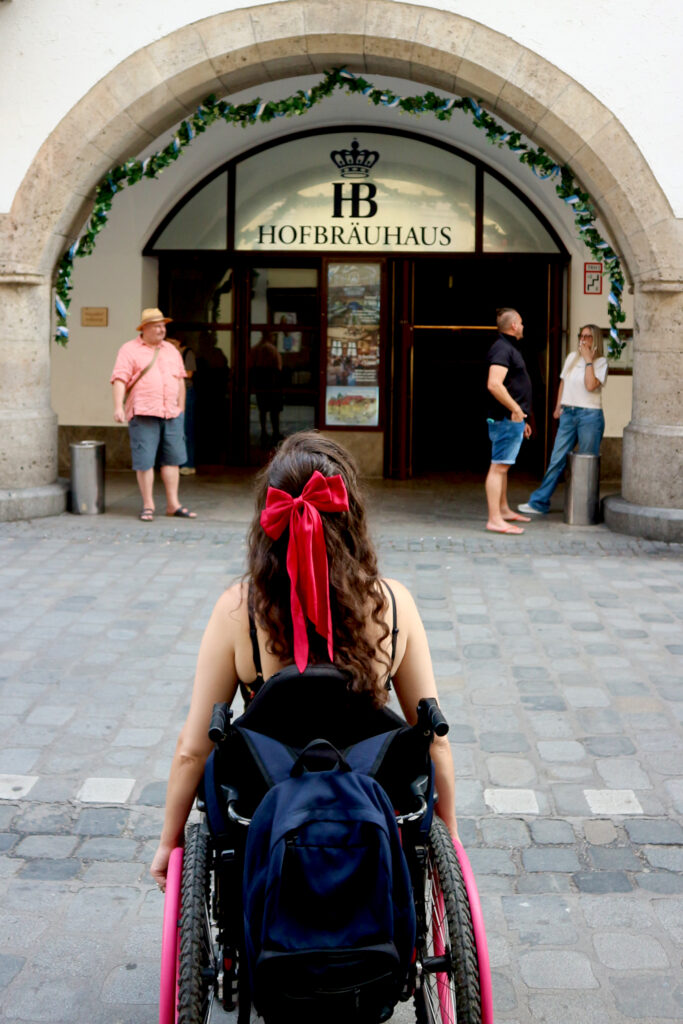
(283, 356)
(197, 290)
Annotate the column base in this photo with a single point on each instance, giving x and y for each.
(33, 502)
(665, 524)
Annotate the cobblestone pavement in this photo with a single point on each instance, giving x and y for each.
(559, 659)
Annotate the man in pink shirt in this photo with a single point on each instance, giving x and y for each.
(149, 393)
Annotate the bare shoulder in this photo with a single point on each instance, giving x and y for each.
(232, 603)
(405, 602)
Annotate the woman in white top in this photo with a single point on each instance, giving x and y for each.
(579, 410)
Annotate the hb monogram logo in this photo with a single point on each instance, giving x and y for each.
(354, 164)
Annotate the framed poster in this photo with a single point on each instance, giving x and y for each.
(352, 407)
(353, 344)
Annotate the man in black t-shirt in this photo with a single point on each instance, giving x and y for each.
(509, 405)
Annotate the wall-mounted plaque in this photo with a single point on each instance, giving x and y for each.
(94, 316)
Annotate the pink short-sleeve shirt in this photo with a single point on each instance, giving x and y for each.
(155, 394)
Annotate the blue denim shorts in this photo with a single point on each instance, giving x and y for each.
(506, 440)
(152, 436)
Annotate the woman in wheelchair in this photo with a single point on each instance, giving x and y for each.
(310, 527)
(315, 639)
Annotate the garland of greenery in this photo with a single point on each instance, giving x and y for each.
(245, 114)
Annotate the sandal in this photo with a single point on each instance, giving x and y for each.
(147, 515)
(183, 513)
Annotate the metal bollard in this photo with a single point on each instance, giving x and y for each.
(582, 490)
(87, 477)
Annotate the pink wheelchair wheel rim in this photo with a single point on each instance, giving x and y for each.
(169, 939)
(485, 988)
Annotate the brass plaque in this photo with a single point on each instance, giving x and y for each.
(94, 316)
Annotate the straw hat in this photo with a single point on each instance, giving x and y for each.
(153, 316)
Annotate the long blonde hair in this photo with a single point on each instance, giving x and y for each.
(597, 341)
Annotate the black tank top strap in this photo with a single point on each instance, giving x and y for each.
(249, 690)
(394, 629)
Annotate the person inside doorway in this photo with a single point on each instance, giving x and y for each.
(579, 410)
(148, 383)
(190, 363)
(265, 378)
(509, 405)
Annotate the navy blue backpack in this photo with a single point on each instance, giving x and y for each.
(328, 908)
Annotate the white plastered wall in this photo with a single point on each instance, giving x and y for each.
(116, 276)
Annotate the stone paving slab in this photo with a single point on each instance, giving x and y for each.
(559, 659)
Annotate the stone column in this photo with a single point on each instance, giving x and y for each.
(651, 502)
(28, 426)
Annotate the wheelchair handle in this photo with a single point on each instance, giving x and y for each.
(431, 718)
(220, 716)
(234, 816)
(401, 819)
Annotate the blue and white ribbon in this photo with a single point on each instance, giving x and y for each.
(260, 108)
(60, 307)
(62, 332)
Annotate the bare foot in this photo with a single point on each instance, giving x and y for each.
(504, 529)
(515, 517)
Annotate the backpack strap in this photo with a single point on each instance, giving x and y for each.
(367, 756)
(273, 759)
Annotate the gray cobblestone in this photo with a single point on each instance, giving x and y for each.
(50, 870)
(613, 858)
(105, 848)
(557, 969)
(540, 919)
(510, 833)
(660, 882)
(651, 831)
(50, 846)
(551, 831)
(550, 858)
(602, 881)
(647, 998)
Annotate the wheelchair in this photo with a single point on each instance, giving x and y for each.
(203, 960)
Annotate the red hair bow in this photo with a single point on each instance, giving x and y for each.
(306, 553)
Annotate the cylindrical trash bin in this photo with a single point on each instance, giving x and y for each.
(582, 490)
(87, 477)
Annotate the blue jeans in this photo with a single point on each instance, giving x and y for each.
(583, 425)
(506, 439)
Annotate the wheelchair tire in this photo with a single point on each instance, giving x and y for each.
(197, 960)
(452, 995)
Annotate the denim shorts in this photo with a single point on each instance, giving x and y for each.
(506, 440)
(153, 437)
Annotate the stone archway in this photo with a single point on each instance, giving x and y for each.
(159, 85)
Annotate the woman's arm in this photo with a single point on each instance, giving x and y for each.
(413, 680)
(215, 681)
(557, 411)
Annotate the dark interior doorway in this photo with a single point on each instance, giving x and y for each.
(451, 299)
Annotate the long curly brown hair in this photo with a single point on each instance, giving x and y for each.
(355, 592)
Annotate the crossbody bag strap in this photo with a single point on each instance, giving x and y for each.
(142, 373)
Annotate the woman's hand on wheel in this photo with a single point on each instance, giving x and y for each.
(159, 865)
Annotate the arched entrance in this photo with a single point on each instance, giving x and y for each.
(147, 93)
(427, 244)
